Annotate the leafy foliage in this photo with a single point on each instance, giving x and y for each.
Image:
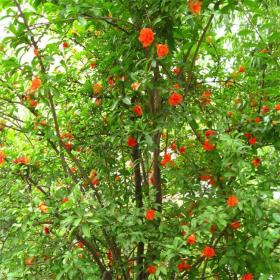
(139, 157)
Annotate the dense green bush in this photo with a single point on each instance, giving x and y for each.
(139, 139)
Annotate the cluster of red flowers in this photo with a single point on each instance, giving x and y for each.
(146, 37)
(166, 159)
(252, 140)
(21, 160)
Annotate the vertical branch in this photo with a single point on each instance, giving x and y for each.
(155, 105)
(139, 203)
(137, 176)
(156, 171)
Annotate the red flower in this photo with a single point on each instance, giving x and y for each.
(175, 99)
(258, 119)
(183, 266)
(67, 135)
(235, 225)
(182, 150)
(110, 256)
(256, 161)
(92, 65)
(206, 97)
(277, 107)
(21, 160)
(111, 81)
(195, 6)
(2, 157)
(162, 50)
(212, 228)
(191, 239)
(265, 109)
(36, 52)
(209, 252)
(173, 146)
(208, 178)
(208, 146)
(146, 37)
(65, 199)
(209, 133)
(247, 276)
(252, 140)
(166, 159)
(33, 103)
(230, 114)
(150, 215)
(94, 178)
(68, 146)
(241, 69)
(73, 170)
(176, 70)
(36, 83)
(47, 230)
(138, 110)
(65, 45)
(151, 269)
(131, 141)
(80, 244)
(176, 86)
(248, 135)
(135, 86)
(232, 201)
(97, 88)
